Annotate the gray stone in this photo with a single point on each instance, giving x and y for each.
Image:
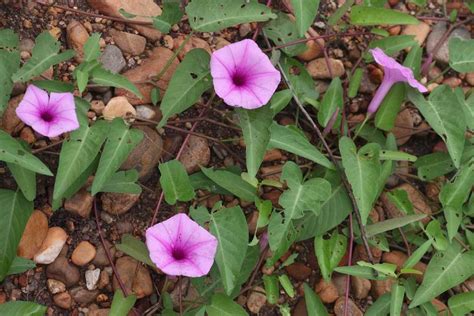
(112, 59)
(438, 30)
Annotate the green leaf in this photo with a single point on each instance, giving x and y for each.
(387, 113)
(362, 272)
(9, 64)
(354, 83)
(287, 285)
(396, 155)
(225, 14)
(82, 78)
(123, 182)
(413, 59)
(400, 198)
(54, 85)
(461, 54)
(14, 213)
(20, 265)
(291, 139)
(329, 253)
(454, 194)
(229, 226)
(106, 78)
(461, 304)
(445, 270)
(222, 305)
(232, 183)
(417, 254)
(435, 232)
(336, 17)
(8, 39)
(437, 164)
(305, 12)
(172, 14)
(301, 196)
(380, 307)
(22, 308)
(121, 305)
(26, 180)
(302, 84)
(12, 151)
(44, 55)
(363, 170)
(175, 182)
(282, 31)
(77, 153)
(317, 225)
(92, 47)
(363, 15)
(135, 248)
(255, 129)
(396, 301)
(280, 100)
(332, 100)
(467, 105)
(393, 44)
(272, 289)
(314, 306)
(190, 80)
(121, 140)
(393, 223)
(441, 111)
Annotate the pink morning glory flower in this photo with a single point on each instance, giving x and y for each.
(393, 73)
(179, 246)
(243, 75)
(48, 115)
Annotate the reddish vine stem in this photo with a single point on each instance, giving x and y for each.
(109, 256)
(333, 159)
(349, 263)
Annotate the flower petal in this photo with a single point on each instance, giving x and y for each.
(30, 107)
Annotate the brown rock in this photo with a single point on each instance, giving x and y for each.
(148, 68)
(77, 36)
(327, 291)
(148, 112)
(141, 8)
(51, 246)
(97, 106)
(420, 31)
(318, 68)
(360, 254)
(134, 276)
(129, 43)
(435, 74)
(33, 236)
(273, 155)
(83, 296)
(104, 280)
(470, 78)
(196, 153)
(353, 309)
(380, 287)
(10, 123)
(63, 271)
(298, 271)
(440, 307)
(63, 300)
(119, 107)
(256, 300)
(100, 312)
(118, 203)
(300, 308)
(27, 135)
(360, 287)
(404, 124)
(55, 286)
(194, 42)
(453, 82)
(420, 206)
(101, 257)
(80, 203)
(83, 254)
(313, 50)
(146, 155)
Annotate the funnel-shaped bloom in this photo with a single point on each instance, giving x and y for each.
(393, 73)
(243, 75)
(48, 115)
(179, 246)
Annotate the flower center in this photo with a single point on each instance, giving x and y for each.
(178, 254)
(238, 79)
(47, 116)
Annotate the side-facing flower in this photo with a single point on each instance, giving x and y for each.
(48, 115)
(393, 73)
(179, 246)
(243, 76)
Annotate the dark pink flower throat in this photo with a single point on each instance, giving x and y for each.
(178, 253)
(47, 116)
(239, 79)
